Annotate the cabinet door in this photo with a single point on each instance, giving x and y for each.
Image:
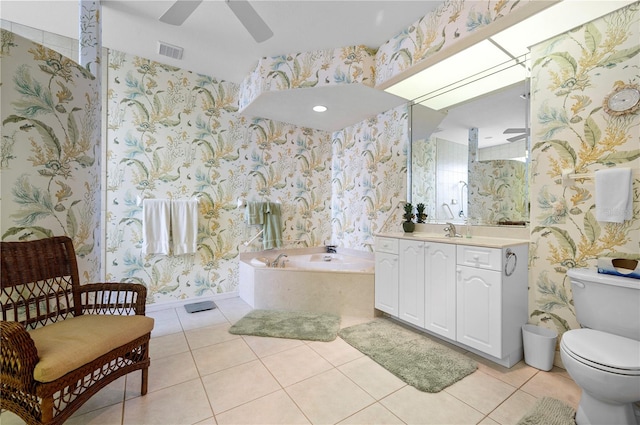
(411, 284)
(479, 309)
(386, 283)
(440, 289)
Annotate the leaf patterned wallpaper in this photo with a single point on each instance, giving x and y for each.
(424, 156)
(50, 150)
(571, 75)
(368, 177)
(498, 191)
(176, 134)
(328, 67)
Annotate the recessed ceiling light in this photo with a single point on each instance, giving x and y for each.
(320, 108)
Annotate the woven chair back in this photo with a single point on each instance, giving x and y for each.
(39, 281)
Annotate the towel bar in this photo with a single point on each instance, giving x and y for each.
(571, 175)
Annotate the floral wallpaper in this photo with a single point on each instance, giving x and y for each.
(346, 65)
(176, 134)
(368, 177)
(423, 174)
(571, 75)
(50, 150)
(498, 191)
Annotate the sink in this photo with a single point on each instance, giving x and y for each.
(425, 235)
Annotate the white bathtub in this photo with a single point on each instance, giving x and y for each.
(318, 261)
(311, 280)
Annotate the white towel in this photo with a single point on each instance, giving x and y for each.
(184, 226)
(155, 226)
(614, 198)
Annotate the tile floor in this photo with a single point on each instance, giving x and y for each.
(201, 374)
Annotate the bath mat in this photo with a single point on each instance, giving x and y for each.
(549, 411)
(288, 324)
(412, 357)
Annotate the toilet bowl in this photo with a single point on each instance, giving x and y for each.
(603, 357)
(607, 368)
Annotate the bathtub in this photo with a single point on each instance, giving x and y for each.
(311, 280)
(318, 261)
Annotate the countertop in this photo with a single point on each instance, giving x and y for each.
(485, 241)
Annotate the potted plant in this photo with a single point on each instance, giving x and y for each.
(408, 225)
(421, 216)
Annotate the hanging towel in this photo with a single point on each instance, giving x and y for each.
(184, 226)
(155, 226)
(614, 198)
(272, 237)
(254, 213)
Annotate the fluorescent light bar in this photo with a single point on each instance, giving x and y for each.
(487, 81)
(555, 20)
(471, 61)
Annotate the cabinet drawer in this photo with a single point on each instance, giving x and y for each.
(480, 257)
(388, 245)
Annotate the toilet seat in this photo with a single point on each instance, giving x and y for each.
(603, 351)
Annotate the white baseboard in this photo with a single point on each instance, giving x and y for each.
(180, 303)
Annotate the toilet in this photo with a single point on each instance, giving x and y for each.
(603, 357)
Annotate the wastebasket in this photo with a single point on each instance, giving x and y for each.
(539, 346)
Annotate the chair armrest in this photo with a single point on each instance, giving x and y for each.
(18, 356)
(113, 298)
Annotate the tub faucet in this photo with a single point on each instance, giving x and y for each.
(452, 231)
(276, 262)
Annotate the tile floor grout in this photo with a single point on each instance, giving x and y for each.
(523, 383)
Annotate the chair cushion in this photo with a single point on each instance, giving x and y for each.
(69, 344)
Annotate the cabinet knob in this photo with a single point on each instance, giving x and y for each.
(476, 257)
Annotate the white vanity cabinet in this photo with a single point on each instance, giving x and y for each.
(472, 295)
(411, 283)
(492, 299)
(386, 276)
(440, 289)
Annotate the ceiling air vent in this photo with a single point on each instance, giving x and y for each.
(169, 50)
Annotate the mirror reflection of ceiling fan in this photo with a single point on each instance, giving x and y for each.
(522, 133)
(259, 30)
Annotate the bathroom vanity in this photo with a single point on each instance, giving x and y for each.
(471, 292)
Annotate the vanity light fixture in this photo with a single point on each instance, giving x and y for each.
(320, 108)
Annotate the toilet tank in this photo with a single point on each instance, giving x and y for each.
(607, 303)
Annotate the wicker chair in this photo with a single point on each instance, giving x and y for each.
(61, 342)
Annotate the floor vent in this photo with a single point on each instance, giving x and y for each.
(169, 50)
(200, 306)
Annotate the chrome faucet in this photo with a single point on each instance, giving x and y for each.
(276, 262)
(452, 231)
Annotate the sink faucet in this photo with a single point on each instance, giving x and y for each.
(452, 231)
(276, 262)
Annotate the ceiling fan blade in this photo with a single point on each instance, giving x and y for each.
(516, 138)
(516, 130)
(248, 16)
(179, 11)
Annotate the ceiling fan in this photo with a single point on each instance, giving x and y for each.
(259, 30)
(521, 133)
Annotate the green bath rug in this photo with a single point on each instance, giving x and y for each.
(288, 324)
(549, 411)
(416, 359)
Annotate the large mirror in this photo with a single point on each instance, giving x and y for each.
(454, 167)
(472, 165)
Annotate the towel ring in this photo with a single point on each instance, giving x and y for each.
(509, 255)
